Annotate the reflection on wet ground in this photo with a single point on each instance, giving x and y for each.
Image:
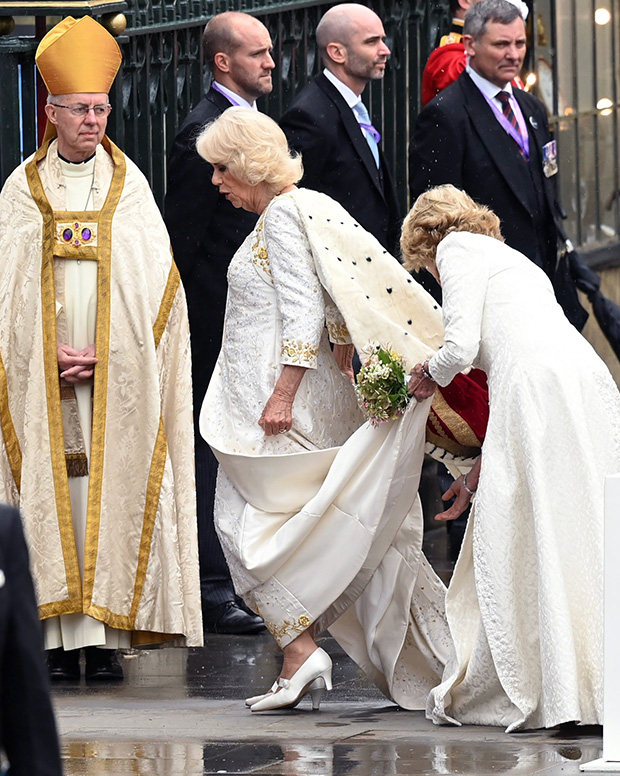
(316, 758)
(180, 712)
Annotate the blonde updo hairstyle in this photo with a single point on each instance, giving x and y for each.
(434, 215)
(253, 148)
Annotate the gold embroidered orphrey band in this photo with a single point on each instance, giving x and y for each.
(101, 252)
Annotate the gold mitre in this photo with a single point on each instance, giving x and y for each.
(78, 56)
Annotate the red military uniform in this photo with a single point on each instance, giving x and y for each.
(446, 63)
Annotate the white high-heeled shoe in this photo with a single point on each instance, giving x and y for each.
(313, 677)
(255, 698)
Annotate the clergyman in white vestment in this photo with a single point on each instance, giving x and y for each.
(100, 460)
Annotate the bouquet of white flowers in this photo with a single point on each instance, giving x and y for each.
(382, 386)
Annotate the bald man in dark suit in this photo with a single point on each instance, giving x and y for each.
(328, 123)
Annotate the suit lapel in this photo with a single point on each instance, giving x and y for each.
(535, 124)
(500, 146)
(353, 129)
(539, 135)
(220, 101)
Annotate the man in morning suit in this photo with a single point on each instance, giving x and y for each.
(205, 231)
(27, 726)
(493, 142)
(328, 123)
(448, 60)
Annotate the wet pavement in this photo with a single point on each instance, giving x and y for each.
(180, 712)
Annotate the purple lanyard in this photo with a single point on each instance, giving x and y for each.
(218, 88)
(520, 136)
(371, 131)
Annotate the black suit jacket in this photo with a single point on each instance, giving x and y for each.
(458, 140)
(27, 726)
(338, 161)
(205, 232)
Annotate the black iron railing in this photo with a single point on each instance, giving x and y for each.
(163, 75)
(18, 129)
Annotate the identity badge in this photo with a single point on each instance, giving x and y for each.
(550, 158)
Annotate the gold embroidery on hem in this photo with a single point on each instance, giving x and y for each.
(118, 621)
(123, 622)
(296, 626)
(71, 605)
(142, 638)
(114, 620)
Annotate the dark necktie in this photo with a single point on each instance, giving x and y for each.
(507, 110)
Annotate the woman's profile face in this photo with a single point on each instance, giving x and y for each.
(239, 194)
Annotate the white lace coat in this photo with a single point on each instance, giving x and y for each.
(321, 526)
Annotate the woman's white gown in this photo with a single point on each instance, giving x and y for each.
(525, 605)
(320, 526)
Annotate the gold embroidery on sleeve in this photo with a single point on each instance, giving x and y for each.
(338, 333)
(297, 352)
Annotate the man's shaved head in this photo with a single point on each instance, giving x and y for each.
(224, 33)
(238, 50)
(339, 23)
(351, 40)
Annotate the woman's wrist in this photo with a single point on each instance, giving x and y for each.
(466, 486)
(284, 395)
(426, 371)
(288, 383)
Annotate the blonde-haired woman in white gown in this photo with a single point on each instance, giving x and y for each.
(525, 604)
(316, 511)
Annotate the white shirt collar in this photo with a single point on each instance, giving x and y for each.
(486, 87)
(236, 97)
(348, 94)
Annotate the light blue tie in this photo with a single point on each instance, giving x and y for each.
(370, 133)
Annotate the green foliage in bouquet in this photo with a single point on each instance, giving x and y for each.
(382, 386)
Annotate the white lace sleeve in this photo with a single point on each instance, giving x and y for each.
(464, 276)
(299, 294)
